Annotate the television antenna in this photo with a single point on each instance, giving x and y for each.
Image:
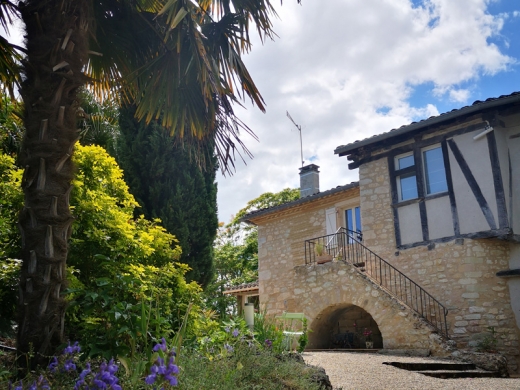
(300, 130)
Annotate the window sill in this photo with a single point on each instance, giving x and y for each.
(418, 200)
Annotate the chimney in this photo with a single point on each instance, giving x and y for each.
(309, 180)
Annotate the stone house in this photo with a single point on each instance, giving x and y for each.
(425, 247)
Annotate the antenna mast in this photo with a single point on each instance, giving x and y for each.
(300, 130)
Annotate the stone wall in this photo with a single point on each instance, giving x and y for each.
(322, 290)
(459, 273)
(281, 239)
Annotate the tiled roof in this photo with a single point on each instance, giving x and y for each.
(297, 202)
(475, 107)
(242, 287)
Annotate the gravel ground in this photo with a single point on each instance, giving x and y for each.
(360, 371)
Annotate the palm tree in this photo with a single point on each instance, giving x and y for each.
(177, 61)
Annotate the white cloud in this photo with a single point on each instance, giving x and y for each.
(346, 70)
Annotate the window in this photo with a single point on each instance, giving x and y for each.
(406, 181)
(353, 219)
(353, 223)
(434, 172)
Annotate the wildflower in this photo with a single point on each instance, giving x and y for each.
(228, 347)
(71, 349)
(42, 382)
(160, 371)
(161, 346)
(227, 329)
(69, 365)
(81, 380)
(150, 379)
(268, 343)
(53, 365)
(235, 333)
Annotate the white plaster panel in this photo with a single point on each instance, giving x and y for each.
(440, 220)
(501, 136)
(476, 154)
(410, 224)
(514, 201)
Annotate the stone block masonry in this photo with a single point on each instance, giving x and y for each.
(461, 274)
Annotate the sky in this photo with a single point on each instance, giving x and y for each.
(348, 69)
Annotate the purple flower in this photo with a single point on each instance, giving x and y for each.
(150, 379)
(235, 333)
(53, 365)
(71, 349)
(228, 347)
(69, 365)
(268, 343)
(171, 379)
(160, 346)
(161, 372)
(227, 329)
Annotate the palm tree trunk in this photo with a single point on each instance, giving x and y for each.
(57, 46)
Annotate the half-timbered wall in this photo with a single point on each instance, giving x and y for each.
(481, 191)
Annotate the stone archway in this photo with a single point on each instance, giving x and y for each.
(342, 326)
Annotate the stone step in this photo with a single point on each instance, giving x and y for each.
(446, 370)
(433, 366)
(460, 374)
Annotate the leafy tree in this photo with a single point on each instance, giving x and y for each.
(119, 267)
(169, 184)
(10, 202)
(99, 124)
(11, 127)
(104, 228)
(236, 250)
(191, 63)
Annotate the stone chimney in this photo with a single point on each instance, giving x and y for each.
(309, 180)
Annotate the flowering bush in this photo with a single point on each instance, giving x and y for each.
(163, 370)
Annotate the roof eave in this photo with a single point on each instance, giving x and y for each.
(348, 149)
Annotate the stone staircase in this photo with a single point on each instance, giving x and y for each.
(346, 246)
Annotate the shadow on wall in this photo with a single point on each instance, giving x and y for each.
(344, 326)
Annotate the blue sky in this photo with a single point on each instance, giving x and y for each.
(349, 69)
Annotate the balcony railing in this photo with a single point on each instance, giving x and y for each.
(345, 245)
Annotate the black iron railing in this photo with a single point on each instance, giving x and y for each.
(345, 245)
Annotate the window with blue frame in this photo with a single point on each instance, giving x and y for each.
(434, 171)
(406, 179)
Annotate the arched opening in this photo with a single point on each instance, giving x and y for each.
(344, 326)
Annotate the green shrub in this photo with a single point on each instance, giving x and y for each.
(10, 203)
(246, 368)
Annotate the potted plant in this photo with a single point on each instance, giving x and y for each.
(321, 255)
(368, 338)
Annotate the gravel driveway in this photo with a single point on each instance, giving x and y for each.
(361, 371)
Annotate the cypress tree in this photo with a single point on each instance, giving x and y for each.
(169, 184)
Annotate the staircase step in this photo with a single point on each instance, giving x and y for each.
(359, 265)
(461, 374)
(446, 370)
(433, 366)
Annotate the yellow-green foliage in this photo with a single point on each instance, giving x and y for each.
(105, 224)
(125, 281)
(10, 204)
